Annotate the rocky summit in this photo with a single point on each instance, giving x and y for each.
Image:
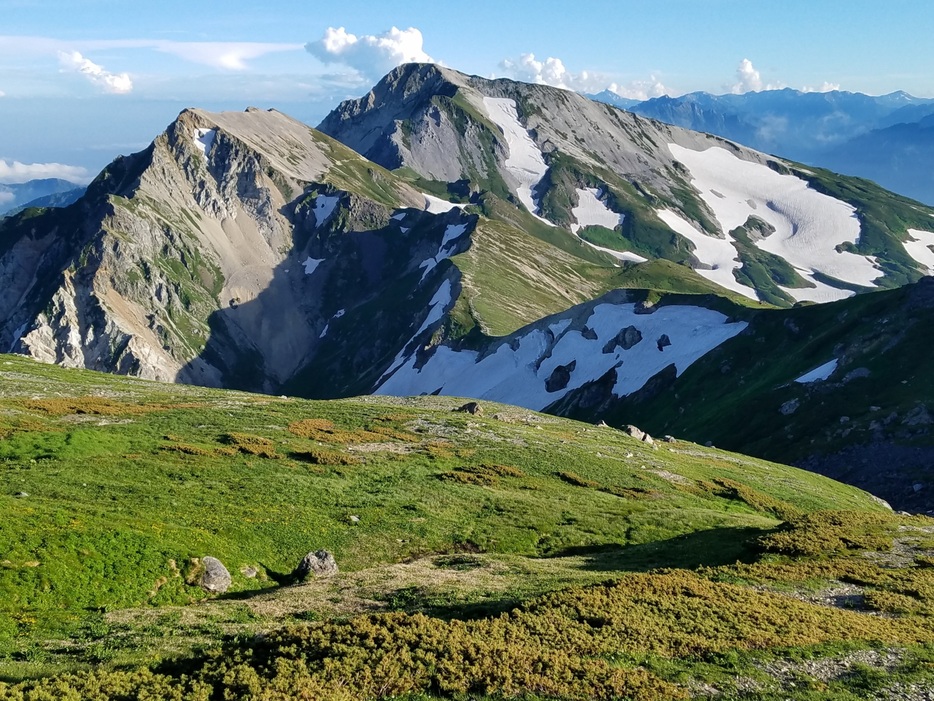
(448, 234)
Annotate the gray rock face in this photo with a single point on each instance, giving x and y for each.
(625, 339)
(320, 563)
(215, 578)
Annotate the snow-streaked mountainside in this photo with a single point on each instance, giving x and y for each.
(843, 388)
(447, 234)
(876, 137)
(538, 365)
(757, 225)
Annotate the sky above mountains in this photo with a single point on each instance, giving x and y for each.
(82, 81)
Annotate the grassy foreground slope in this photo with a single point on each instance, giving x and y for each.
(510, 554)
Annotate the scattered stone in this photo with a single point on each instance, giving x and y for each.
(320, 563)
(709, 444)
(635, 432)
(663, 341)
(249, 572)
(21, 495)
(214, 578)
(844, 419)
(602, 424)
(789, 407)
(472, 408)
(354, 518)
(638, 434)
(917, 486)
(669, 439)
(919, 416)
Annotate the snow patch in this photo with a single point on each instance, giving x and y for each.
(398, 216)
(311, 264)
(17, 335)
(204, 139)
(339, 313)
(435, 205)
(808, 225)
(919, 248)
(451, 233)
(818, 374)
(324, 331)
(525, 161)
(720, 255)
(517, 371)
(438, 306)
(592, 211)
(324, 208)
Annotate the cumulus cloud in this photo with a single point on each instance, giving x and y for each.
(116, 83)
(640, 89)
(552, 71)
(748, 79)
(16, 172)
(823, 87)
(370, 55)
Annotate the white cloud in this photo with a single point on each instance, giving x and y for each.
(371, 56)
(6, 197)
(552, 71)
(116, 83)
(823, 87)
(2, 94)
(640, 89)
(16, 172)
(748, 79)
(222, 54)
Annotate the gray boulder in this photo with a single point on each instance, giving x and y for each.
(320, 563)
(214, 578)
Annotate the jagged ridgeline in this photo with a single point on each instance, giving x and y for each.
(492, 227)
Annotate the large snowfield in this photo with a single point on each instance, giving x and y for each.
(525, 162)
(517, 372)
(808, 225)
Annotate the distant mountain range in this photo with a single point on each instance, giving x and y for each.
(887, 138)
(42, 192)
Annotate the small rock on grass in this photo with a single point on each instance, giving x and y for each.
(320, 563)
(215, 578)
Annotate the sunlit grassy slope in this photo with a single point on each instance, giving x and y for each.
(111, 489)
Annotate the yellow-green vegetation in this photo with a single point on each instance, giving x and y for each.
(521, 556)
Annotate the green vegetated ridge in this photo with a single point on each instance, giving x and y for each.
(743, 395)
(511, 554)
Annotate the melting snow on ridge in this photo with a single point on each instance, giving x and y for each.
(451, 233)
(919, 248)
(808, 225)
(511, 376)
(525, 162)
(592, 211)
(438, 306)
(204, 139)
(435, 205)
(324, 208)
(819, 374)
(311, 264)
(719, 254)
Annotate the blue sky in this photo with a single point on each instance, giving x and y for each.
(82, 81)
